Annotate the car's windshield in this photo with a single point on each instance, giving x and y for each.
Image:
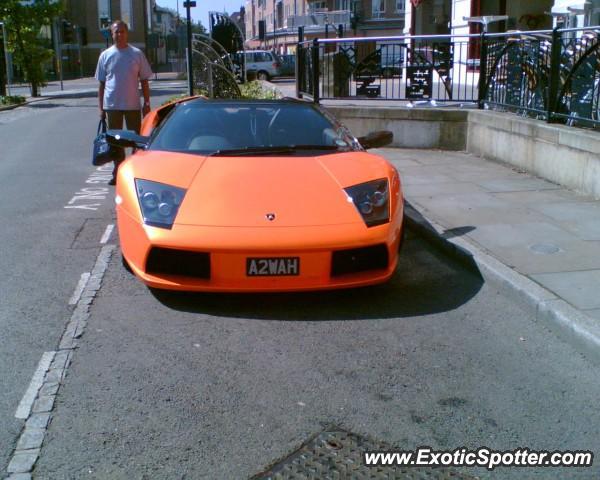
(207, 127)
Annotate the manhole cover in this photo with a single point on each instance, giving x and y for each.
(339, 455)
(544, 248)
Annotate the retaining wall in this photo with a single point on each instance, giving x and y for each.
(564, 155)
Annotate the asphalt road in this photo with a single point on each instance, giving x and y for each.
(168, 385)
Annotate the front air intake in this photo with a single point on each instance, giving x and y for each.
(357, 260)
(168, 261)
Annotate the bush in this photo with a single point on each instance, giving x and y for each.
(256, 89)
(174, 98)
(12, 100)
(249, 90)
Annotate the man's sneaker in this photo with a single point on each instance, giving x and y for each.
(112, 181)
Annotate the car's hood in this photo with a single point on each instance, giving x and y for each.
(277, 191)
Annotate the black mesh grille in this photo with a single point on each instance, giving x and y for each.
(359, 260)
(178, 262)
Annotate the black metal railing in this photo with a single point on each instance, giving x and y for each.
(548, 74)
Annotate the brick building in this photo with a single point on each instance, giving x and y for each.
(320, 18)
(87, 31)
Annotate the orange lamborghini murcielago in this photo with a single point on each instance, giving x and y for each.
(255, 195)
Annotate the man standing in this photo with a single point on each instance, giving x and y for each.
(120, 69)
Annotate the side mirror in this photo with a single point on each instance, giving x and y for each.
(126, 138)
(376, 139)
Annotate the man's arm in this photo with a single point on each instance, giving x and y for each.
(101, 100)
(146, 93)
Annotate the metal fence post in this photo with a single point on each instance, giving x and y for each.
(300, 68)
(316, 73)
(552, 100)
(483, 81)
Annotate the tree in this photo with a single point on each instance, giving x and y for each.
(3, 79)
(24, 21)
(226, 32)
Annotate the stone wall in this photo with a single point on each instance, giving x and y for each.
(564, 155)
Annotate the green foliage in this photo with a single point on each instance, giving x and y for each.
(12, 100)
(174, 98)
(256, 89)
(24, 24)
(249, 90)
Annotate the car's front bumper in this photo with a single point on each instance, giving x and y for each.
(228, 250)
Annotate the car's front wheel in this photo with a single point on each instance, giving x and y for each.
(262, 75)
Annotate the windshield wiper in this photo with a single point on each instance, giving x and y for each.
(271, 150)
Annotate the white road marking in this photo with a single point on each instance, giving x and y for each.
(79, 288)
(24, 408)
(88, 194)
(107, 234)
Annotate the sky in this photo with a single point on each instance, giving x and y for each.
(200, 12)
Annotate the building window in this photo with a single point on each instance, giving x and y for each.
(400, 6)
(126, 13)
(378, 8)
(104, 14)
(342, 5)
(317, 6)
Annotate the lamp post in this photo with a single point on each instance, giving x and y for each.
(6, 59)
(189, 4)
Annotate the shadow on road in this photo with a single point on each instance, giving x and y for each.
(426, 282)
(46, 105)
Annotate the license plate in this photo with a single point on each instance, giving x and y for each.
(273, 267)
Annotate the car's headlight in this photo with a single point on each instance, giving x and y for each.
(159, 202)
(372, 200)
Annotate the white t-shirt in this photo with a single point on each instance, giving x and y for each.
(121, 69)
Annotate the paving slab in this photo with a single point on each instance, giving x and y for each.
(540, 240)
(594, 313)
(447, 188)
(519, 184)
(580, 288)
(581, 218)
(542, 258)
(473, 209)
(538, 199)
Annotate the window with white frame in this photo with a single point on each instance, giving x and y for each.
(126, 13)
(400, 6)
(378, 8)
(342, 4)
(104, 14)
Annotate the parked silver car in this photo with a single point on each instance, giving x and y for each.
(265, 63)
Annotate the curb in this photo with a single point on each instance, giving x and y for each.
(71, 94)
(12, 107)
(569, 323)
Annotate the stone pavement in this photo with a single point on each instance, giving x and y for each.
(539, 240)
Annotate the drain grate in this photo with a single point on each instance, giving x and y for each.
(339, 455)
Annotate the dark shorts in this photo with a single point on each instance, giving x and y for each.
(133, 119)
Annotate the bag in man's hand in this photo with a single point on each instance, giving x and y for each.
(103, 152)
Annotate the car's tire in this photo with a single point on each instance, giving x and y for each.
(262, 75)
(126, 264)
